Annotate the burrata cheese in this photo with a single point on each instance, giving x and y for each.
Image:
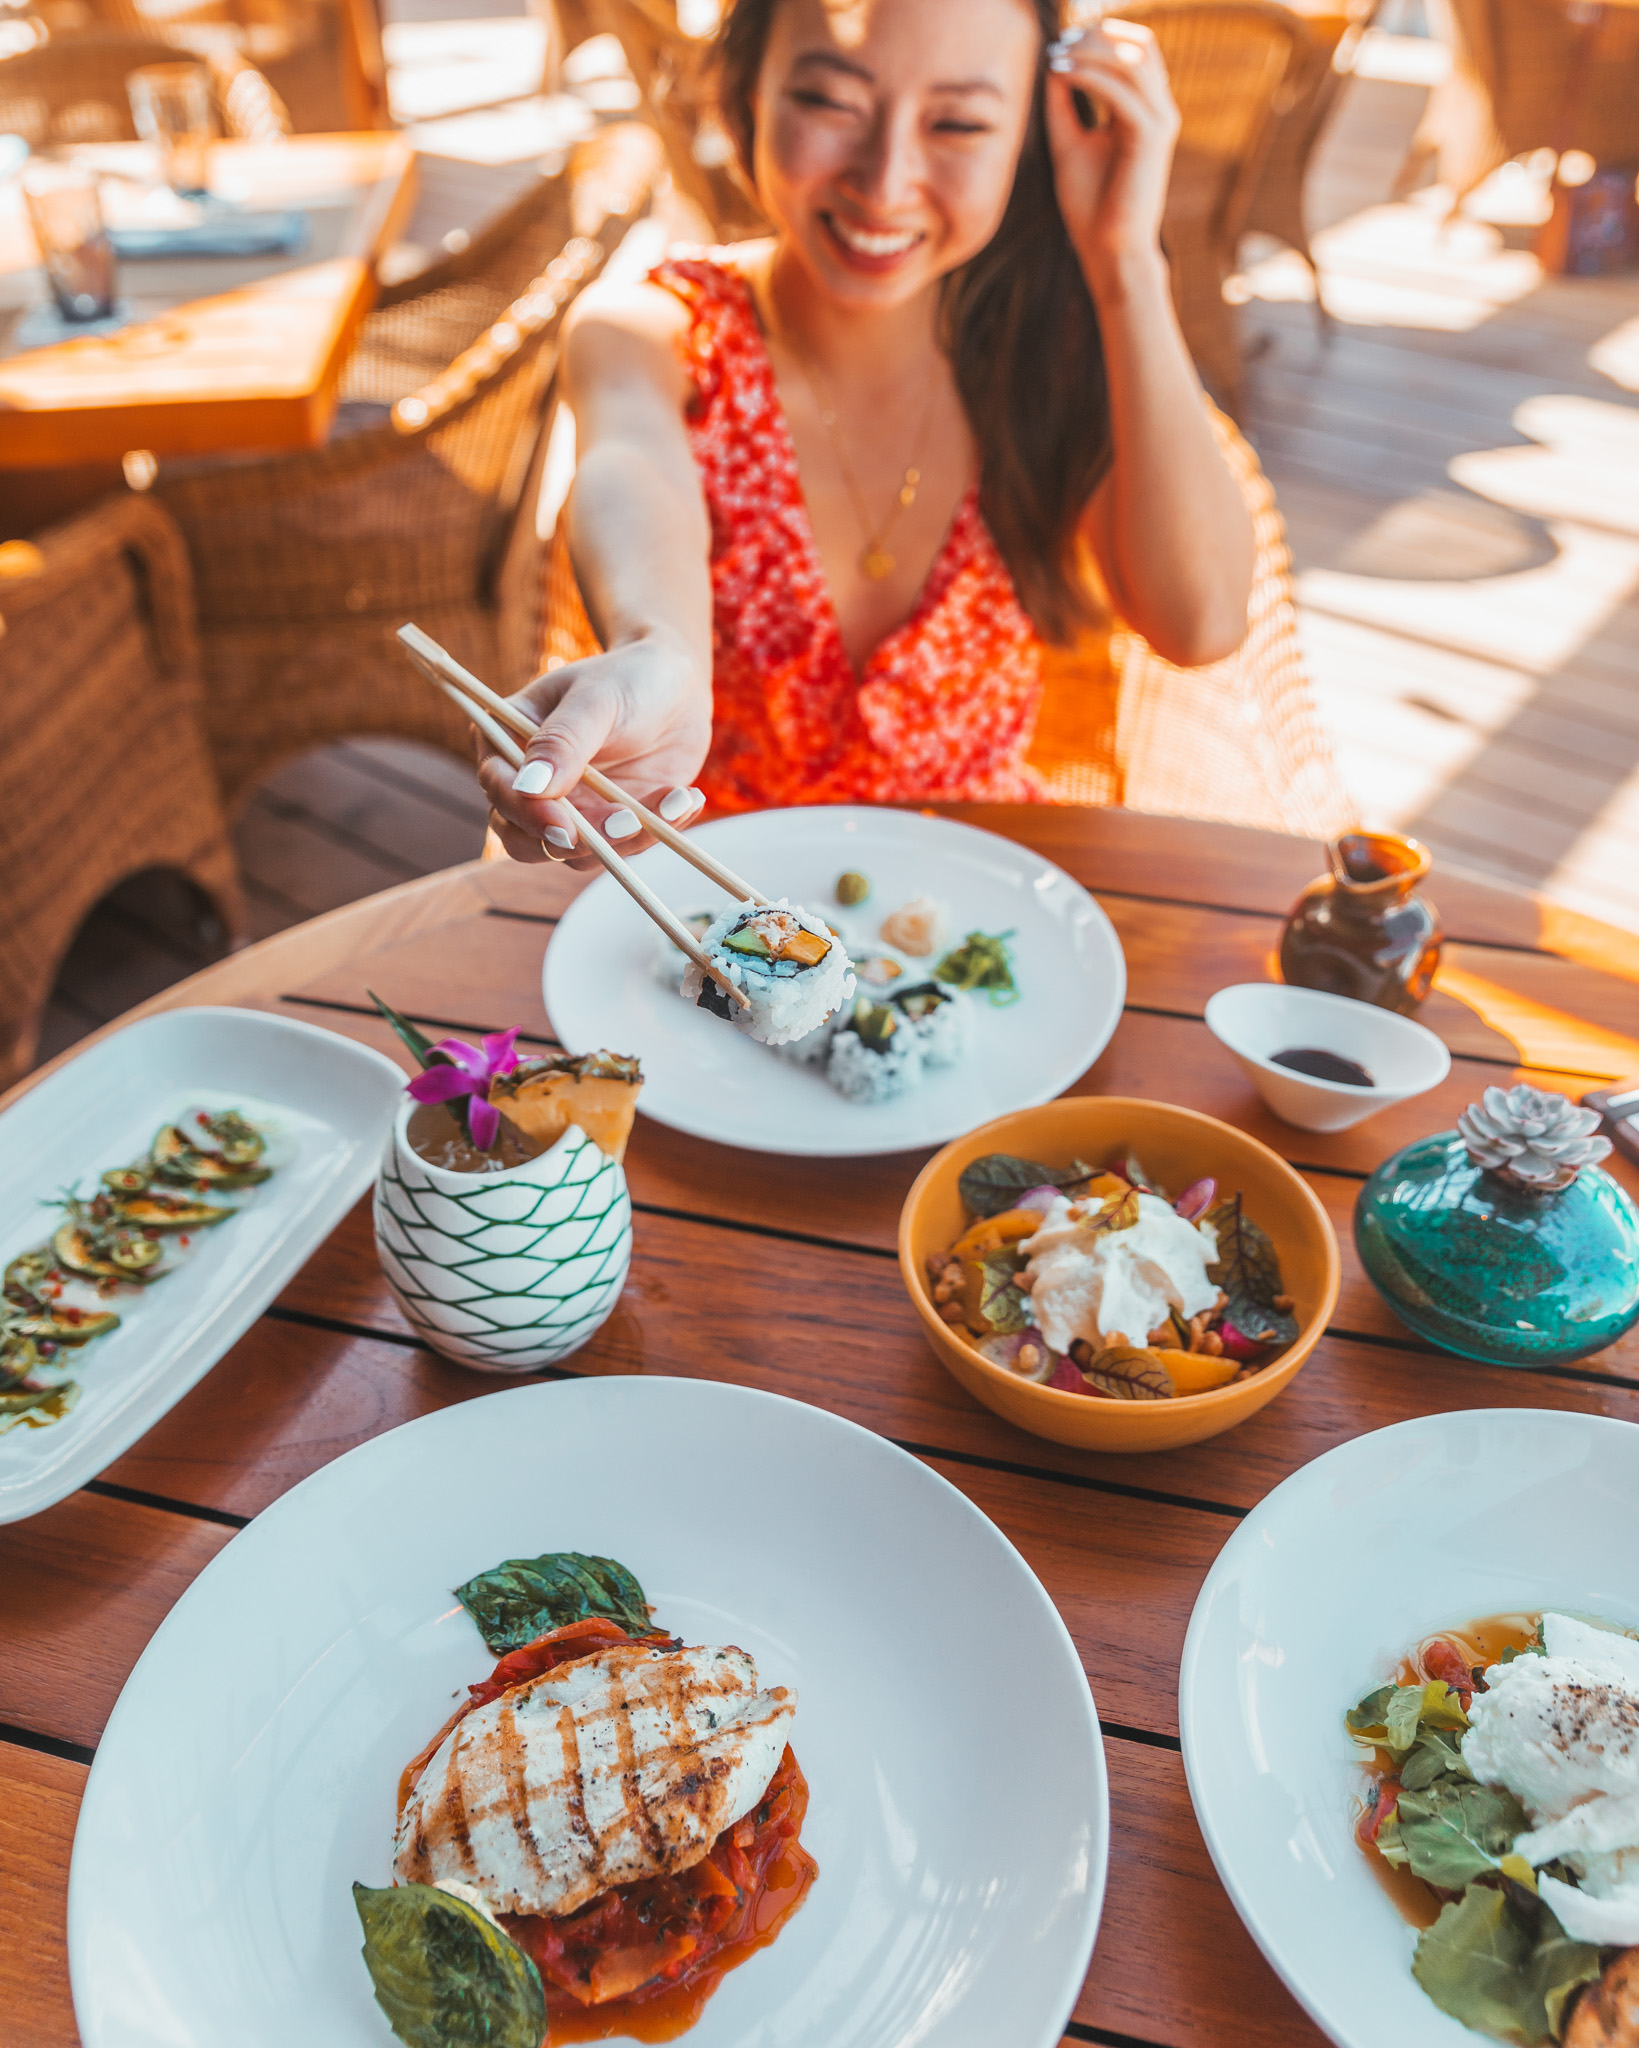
(1561, 1732)
(1096, 1284)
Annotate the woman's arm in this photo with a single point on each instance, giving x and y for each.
(639, 541)
(1168, 524)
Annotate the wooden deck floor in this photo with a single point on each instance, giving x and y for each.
(1457, 458)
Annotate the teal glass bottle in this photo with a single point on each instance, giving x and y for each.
(1492, 1269)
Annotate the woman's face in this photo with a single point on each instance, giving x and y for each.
(887, 132)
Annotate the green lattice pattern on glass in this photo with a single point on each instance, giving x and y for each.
(507, 1273)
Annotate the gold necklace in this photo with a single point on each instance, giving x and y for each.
(875, 561)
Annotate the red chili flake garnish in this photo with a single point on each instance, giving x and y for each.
(183, 1242)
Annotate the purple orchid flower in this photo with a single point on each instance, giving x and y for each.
(471, 1069)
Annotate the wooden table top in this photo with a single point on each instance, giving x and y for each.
(1121, 1544)
(224, 352)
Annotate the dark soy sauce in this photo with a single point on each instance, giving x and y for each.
(1323, 1066)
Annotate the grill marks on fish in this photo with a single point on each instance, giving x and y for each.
(624, 1764)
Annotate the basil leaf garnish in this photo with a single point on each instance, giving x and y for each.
(528, 1597)
(995, 1182)
(444, 1975)
(1435, 1756)
(1500, 1968)
(1455, 1830)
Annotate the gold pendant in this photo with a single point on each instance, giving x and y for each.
(876, 562)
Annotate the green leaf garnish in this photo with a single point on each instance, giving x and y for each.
(1247, 1268)
(1455, 1830)
(1129, 1373)
(1500, 1968)
(528, 1597)
(1002, 1302)
(981, 961)
(417, 1042)
(444, 1975)
(995, 1182)
(1435, 1756)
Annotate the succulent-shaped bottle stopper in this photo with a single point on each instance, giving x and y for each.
(1531, 1137)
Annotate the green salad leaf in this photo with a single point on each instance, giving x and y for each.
(994, 1183)
(1405, 1711)
(1129, 1372)
(1455, 1830)
(1435, 1755)
(981, 961)
(528, 1597)
(1002, 1302)
(1391, 1715)
(1370, 1716)
(444, 1975)
(1500, 1967)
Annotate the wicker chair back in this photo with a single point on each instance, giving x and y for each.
(73, 89)
(1229, 62)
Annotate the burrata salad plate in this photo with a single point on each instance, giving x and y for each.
(157, 1192)
(980, 979)
(1409, 1704)
(926, 1883)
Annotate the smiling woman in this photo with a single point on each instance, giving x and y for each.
(840, 490)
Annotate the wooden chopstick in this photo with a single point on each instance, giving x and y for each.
(449, 670)
(640, 892)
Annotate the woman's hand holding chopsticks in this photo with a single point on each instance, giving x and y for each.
(644, 696)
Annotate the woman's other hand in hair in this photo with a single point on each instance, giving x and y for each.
(1112, 177)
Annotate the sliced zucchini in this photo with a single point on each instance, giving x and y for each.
(156, 1210)
(128, 1257)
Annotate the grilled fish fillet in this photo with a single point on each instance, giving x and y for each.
(621, 1765)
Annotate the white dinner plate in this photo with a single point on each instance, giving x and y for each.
(325, 1105)
(958, 1813)
(1317, 1596)
(703, 1077)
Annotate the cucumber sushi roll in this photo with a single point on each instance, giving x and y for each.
(790, 964)
(939, 1019)
(874, 1055)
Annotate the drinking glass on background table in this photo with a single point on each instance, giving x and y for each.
(171, 106)
(65, 212)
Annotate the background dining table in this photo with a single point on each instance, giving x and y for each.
(780, 1273)
(221, 354)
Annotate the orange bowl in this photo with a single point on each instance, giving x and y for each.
(1177, 1146)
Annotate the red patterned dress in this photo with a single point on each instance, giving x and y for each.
(945, 708)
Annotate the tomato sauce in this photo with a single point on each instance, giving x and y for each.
(642, 1959)
(1456, 1656)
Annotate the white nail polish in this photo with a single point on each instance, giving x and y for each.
(555, 835)
(534, 778)
(677, 803)
(619, 825)
(1058, 64)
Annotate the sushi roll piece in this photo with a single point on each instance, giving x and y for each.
(792, 967)
(939, 1018)
(875, 1054)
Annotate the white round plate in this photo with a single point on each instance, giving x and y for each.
(1315, 1598)
(703, 1077)
(959, 1812)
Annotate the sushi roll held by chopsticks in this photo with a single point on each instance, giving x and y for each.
(788, 963)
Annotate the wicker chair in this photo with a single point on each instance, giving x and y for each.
(426, 321)
(322, 57)
(99, 694)
(1230, 63)
(672, 72)
(72, 89)
(1530, 74)
(1239, 740)
(1276, 206)
(306, 565)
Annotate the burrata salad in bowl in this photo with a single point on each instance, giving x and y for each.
(1117, 1274)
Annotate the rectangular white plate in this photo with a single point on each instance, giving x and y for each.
(326, 1106)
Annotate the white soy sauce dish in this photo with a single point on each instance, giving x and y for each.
(1257, 1019)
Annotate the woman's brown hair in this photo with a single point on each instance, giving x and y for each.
(1023, 339)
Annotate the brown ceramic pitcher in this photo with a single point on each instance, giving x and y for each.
(1362, 930)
